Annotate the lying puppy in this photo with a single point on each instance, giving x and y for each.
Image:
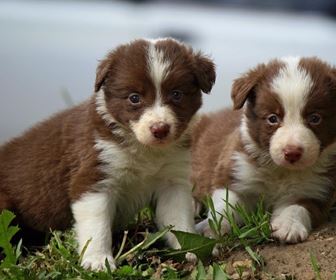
(281, 146)
(103, 160)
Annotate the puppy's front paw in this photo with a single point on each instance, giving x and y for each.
(97, 262)
(289, 231)
(291, 224)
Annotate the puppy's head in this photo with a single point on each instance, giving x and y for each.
(153, 87)
(290, 109)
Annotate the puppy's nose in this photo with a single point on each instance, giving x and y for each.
(160, 130)
(292, 153)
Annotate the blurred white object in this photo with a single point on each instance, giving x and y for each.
(49, 49)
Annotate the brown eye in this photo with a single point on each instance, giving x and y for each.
(176, 95)
(134, 98)
(314, 119)
(273, 119)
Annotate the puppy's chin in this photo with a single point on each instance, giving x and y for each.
(299, 165)
(148, 140)
(158, 143)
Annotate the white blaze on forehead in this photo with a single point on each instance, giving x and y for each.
(292, 85)
(158, 65)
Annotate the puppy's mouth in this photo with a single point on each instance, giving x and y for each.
(159, 142)
(292, 164)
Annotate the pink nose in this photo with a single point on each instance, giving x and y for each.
(160, 130)
(292, 153)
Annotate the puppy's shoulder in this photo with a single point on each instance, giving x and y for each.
(216, 127)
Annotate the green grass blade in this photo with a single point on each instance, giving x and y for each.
(254, 255)
(201, 274)
(316, 266)
(218, 273)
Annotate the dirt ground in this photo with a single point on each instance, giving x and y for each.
(284, 261)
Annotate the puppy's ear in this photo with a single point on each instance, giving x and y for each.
(332, 79)
(244, 86)
(205, 72)
(333, 74)
(101, 73)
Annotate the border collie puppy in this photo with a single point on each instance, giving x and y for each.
(128, 145)
(281, 146)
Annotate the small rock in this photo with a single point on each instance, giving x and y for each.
(244, 264)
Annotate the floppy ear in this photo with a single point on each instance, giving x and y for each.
(101, 73)
(331, 79)
(204, 69)
(244, 86)
(333, 74)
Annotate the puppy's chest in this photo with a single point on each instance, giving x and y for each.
(276, 184)
(133, 175)
(137, 167)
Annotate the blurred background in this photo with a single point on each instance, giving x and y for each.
(49, 49)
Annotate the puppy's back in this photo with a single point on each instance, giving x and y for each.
(214, 138)
(36, 169)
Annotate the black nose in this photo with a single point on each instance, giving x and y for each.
(160, 130)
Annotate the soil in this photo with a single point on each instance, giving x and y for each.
(294, 261)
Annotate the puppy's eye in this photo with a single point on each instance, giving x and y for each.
(134, 98)
(176, 95)
(314, 119)
(273, 119)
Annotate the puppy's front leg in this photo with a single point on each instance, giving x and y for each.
(174, 207)
(93, 214)
(291, 223)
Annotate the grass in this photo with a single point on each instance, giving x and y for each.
(142, 255)
(315, 265)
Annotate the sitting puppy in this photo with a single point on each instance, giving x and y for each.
(281, 146)
(103, 160)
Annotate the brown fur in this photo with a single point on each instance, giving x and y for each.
(43, 170)
(210, 166)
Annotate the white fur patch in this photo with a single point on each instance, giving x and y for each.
(158, 65)
(294, 134)
(291, 224)
(171, 201)
(93, 214)
(156, 113)
(101, 108)
(292, 85)
(138, 175)
(279, 185)
(250, 146)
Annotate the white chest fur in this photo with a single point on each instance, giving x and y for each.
(278, 185)
(133, 174)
